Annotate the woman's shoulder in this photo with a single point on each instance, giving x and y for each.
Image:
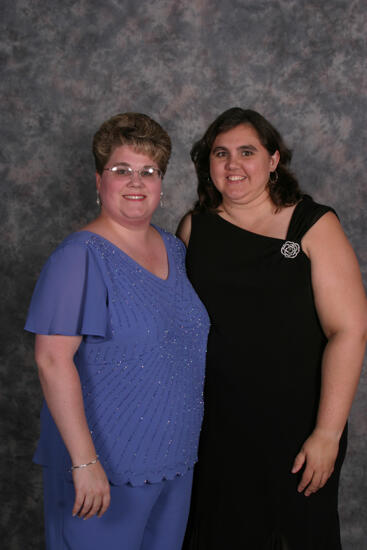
(70, 282)
(195, 222)
(307, 207)
(184, 228)
(84, 243)
(71, 244)
(78, 239)
(305, 215)
(76, 253)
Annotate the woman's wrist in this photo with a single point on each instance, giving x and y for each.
(328, 433)
(85, 464)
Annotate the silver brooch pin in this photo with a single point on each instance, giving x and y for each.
(290, 249)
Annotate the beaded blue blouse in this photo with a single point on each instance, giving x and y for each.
(141, 361)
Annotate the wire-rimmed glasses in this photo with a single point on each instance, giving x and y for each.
(125, 173)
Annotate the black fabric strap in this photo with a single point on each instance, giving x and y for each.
(305, 215)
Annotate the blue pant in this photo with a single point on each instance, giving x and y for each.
(151, 517)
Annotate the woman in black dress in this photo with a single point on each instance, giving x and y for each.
(283, 289)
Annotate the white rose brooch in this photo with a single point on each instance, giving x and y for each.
(290, 249)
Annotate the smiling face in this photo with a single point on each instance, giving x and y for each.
(240, 165)
(131, 202)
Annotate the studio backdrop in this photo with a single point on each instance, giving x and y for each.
(68, 65)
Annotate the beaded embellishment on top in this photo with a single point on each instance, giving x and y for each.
(141, 361)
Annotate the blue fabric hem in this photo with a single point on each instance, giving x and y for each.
(135, 480)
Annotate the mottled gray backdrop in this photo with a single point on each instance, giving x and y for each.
(68, 65)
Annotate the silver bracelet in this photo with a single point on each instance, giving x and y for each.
(85, 465)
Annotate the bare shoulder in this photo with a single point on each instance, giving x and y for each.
(334, 264)
(184, 229)
(326, 232)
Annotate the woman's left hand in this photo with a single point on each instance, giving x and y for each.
(317, 456)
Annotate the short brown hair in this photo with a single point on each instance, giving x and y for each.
(136, 130)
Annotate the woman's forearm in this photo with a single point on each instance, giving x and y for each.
(341, 369)
(62, 390)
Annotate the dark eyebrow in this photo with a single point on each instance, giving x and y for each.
(241, 148)
(219, 147)
(247, 147)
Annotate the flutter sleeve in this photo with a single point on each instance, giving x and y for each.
(70, 297)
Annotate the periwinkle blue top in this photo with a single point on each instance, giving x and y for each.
(141, 361)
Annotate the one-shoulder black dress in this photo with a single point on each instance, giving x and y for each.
(262, 390)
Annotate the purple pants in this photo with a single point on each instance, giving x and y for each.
(151, 517)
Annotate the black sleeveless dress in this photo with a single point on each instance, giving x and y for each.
(262, 390)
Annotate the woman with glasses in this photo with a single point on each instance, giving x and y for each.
(120, 348)
(285, 297)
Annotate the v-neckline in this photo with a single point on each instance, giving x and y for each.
(131, 260)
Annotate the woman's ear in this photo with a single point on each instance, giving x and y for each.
(98, 181)
(274, 161)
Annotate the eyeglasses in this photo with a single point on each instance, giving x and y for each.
(126, 173)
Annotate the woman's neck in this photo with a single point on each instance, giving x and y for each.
(248, 213)
(119, 233)
(261, 216)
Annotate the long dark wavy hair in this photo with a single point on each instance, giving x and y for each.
(284, 192)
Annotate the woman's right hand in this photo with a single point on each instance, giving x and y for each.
(92, 491)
